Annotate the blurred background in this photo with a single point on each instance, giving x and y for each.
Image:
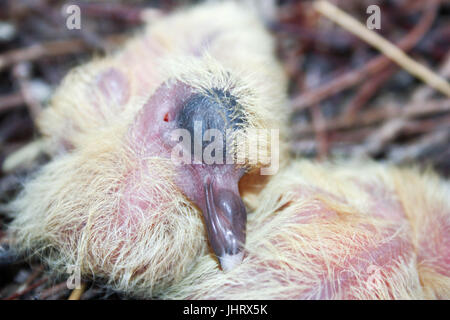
(346, 99)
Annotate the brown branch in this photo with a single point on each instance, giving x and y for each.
(380, 137)
(48, 49)
(41, 50)
(28, 286)
(416, 149)
(319, 125)
(424, 92)
(28, 289)
(379, 114)
(390, 50)
(367, 91)
(117, 11)
(60, 288)
(11, 101)
(372, 67)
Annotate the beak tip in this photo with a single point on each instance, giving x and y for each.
(229, 262)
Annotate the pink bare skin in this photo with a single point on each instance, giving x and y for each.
(212, 187)
(311, 247)
(365, 260)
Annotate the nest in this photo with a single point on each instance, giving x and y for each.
(348, 100)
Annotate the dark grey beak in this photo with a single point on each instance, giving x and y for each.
(225, 219)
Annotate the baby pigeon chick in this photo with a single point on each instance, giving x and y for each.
(338, 232)
(117, 201)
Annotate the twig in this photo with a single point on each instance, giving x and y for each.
(11, 101)
(412, 151)
(49, 49)
(115, 11)
(27, 287)
(375, 65)
(121, 12)
(367, 90)
(379, 114)
(58, 288)
(390, 50)
(424, 92)
(319, 125)
(78, 292)
(422, 126)
(382, 136)
(38, 51)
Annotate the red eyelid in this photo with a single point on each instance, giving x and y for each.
(166, 117)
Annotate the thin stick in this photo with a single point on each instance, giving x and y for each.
(367, 91)
(48, 49)
(319, 125)
(76, 293)
(61, 287)
(11, 101)
(27, 289)
(390, 50)
(372, 67)
(424, 92)
(28, 285)
(412, 151)
(379, 114)
(38, 51)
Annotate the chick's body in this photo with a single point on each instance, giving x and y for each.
(348, 231)
(111, 202)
